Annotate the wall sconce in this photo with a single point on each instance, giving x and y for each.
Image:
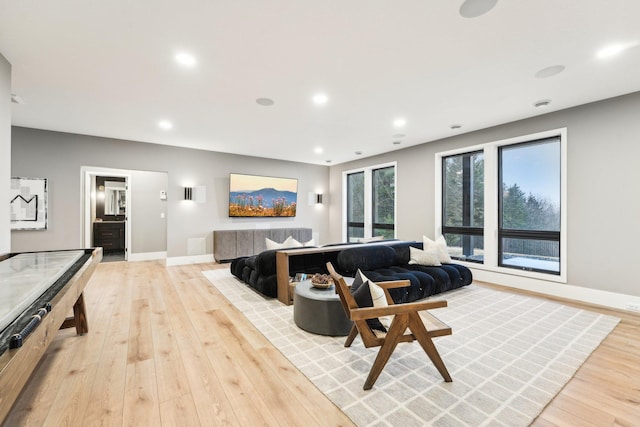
(198, 194)
(188, 193)
(315, 198)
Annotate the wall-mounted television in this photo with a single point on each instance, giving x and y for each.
(266, 196)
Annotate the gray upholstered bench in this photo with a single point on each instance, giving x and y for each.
(319, 310)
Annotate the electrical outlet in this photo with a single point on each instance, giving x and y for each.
(634, 307)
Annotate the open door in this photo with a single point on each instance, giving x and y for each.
(106, 211)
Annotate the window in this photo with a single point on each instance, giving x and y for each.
(463, 205)
(384, 197)
(355, 206)
(370, 202)
(529, 206)
(502, 205)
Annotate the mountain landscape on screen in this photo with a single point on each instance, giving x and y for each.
(248, 197)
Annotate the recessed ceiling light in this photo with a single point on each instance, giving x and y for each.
(165, 124)
(542, 103)
(549, 71)
(455, 126)
(186, 59)
(475, 8)
(327, 161)
(265, 101)
(357, 153)
(320, 99)
(400, 122)
(397, 142)
(318, 150)
(614, 49)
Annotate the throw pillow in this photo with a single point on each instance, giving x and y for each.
(311, 242)
(440, 245)
(379, 299)
(430, 257)
(444, 252)
(271, 244)
(361, 291)
(358, 280)
(289, 242)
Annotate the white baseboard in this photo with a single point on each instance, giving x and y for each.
(561, 290)
(146, 256)
(193, 259)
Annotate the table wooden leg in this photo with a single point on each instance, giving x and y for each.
(282, 277)
(79, 319)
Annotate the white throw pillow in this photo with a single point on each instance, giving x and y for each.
(289, 242)
(380, 300)
(440, 245)
(429, 257)
(311, 242)
(271, 244)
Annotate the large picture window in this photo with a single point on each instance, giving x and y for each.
(502, 204)
(370, 203)
(529, 205)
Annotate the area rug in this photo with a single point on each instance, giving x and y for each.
(509, 355)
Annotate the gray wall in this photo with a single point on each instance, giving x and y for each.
(146, 208)
(603, 169)
(59, 157)
(5, 153)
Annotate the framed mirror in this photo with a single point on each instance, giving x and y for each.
(115, 198)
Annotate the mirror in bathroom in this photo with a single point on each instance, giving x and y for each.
(115, 200)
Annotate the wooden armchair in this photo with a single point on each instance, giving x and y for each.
(407, 326)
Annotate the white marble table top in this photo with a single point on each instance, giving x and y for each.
(24, 277)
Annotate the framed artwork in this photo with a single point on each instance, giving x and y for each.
(262, 196)
(28, 204)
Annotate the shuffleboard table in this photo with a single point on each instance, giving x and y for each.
(37, 292)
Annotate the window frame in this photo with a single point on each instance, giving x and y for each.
(368, 200)
(491, 205)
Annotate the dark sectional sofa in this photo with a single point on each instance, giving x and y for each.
(259, 271)
(380, 262)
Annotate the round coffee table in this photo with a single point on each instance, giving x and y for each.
(319, 310)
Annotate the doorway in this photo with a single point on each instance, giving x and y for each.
(107, 208)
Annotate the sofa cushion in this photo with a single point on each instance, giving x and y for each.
(426, 286)
(237, 265)
(367, 257)
(265, 262)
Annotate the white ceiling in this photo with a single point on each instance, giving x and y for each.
(107, 68)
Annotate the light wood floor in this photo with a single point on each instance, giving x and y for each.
(166, 349)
